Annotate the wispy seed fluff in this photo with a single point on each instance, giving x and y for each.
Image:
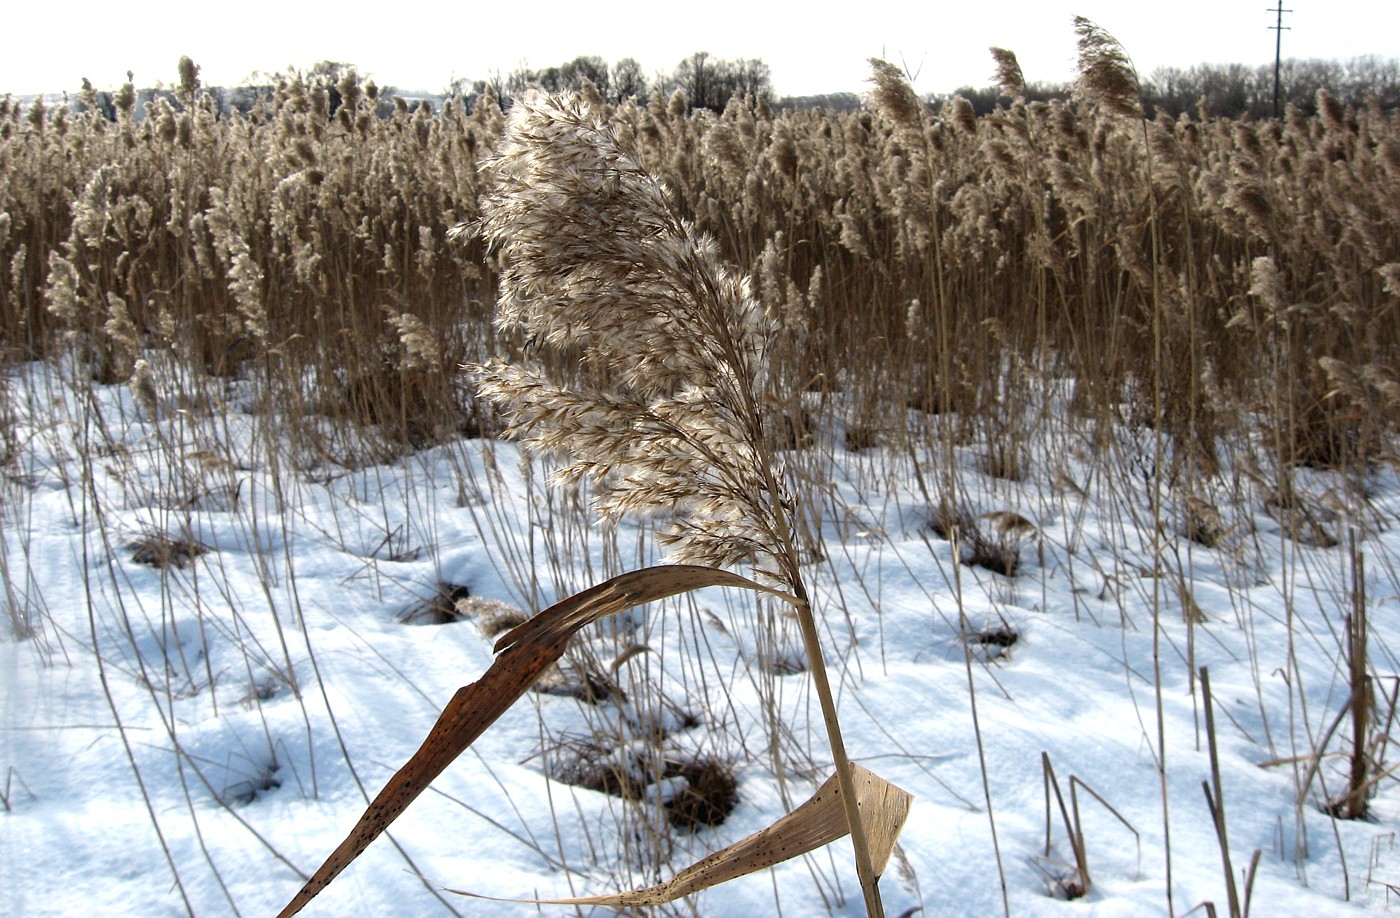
(1266, 283)
(894, 98)
(1106, 74)
(1008, 73)
(600, 266)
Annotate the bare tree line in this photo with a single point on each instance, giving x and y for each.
(1236, 90)
(704, 81)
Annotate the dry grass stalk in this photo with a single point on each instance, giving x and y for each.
(1238, 900)
(1361, 705)
(664, 415)
(895, 99)
(1076, 883)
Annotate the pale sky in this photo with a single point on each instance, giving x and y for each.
(819, 48)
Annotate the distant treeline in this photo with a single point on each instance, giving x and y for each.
(1234, 90)
(702, 80)
(707, 82)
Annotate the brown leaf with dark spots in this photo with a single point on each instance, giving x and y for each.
(819, 821)
(523, 654)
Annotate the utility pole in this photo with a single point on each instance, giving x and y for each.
(1279, 28)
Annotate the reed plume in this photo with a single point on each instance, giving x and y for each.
(657, 352)
(663, 413)
(663, 418)
(1106, 74)
(894, 98)
(1008, 73)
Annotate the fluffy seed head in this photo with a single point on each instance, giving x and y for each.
(665, 341)
(189, 79)
(1106, 74)
(894, 98)
(1008, 73)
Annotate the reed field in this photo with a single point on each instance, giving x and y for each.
(1058, 447)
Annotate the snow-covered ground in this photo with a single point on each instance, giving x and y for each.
(200, 737)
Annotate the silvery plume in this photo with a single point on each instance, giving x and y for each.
(648, 350)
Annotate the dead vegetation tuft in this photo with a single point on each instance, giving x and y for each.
(991, 541)
(163, 551)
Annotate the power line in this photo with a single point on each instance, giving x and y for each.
(1278, 28)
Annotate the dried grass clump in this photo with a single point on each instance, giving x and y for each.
(994, 642)
(781, 662)
(692, 791)
(163, 551)
(1301, 519)
(1203, 523)
(861, 437)
(948, 524)
(710, 794)
(583, 762)
(492, 616)
(454, 602)
(449, 603)
(582, 682)
(991, 541)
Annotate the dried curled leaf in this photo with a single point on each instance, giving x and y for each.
(524, 653)
(563, 620)
(820, 821)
